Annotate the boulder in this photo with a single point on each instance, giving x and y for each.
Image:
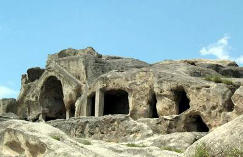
(179, 141)
(27, 139)
(123, 129)
(20, 138)
(8, 116)
(8, 105)
(111, 149)
(34, 73)
(116, 128)
(226, 140)
(237, 99)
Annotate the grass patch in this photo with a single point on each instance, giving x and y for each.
(135, 145)
(172, 149)
(55, 137)
(234, 153)
(201, 151)
(228, 82)
(218, 79)
(85, 142)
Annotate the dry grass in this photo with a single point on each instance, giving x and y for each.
(218, 79)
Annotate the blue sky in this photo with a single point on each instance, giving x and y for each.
(150, 30)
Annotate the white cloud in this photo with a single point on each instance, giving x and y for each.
(239, 60)
(220, 50)
(6, 92)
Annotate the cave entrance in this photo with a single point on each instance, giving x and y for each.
(72, 110)
(51, 100)
(195, 123)
(91, 105)
(182, 101)
(230, 106)
(153, 103)
(116, 102)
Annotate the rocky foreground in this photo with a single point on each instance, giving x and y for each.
(87, 104)
(36, 139)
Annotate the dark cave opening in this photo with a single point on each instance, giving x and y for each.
(51, 100)
(116, 102)
(153, 103)
(195, 123)
(72, 110)
(182, 101)
(91, 105)
(230, 106)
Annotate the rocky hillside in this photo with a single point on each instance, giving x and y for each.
(87, 104)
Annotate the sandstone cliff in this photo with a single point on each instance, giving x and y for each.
(169, 104)
(84, 83)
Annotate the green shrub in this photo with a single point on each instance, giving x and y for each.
(56, 137)
(172, 149)
(234, 153)
(201, 151)
(218, 79)
(134, 145)
(228, 82)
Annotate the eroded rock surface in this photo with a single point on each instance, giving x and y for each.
(224, 141)
(237, 99)
(20, 138)
(121, 128)
(26, 139)
(135, 108)
(117, 128)
(8, 105)
(83, 82)
(175, 141)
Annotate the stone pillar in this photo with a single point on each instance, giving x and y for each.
(42, 117)
(85, 108)
(82, 106)
(67, 113)
(99, 103)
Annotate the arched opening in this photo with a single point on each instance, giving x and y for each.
(230, 106)
(51, 100)
(116, 102)
(182, 101)
(153, 102)
(72, 110)
(91, 105)
(195, 123)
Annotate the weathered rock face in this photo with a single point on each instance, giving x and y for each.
(8, 105)
(34, 73)
(118, 128)
(85, 83)
(237, 99)
(8, 116)
(26, 139)
(226, 140)
(20, 138)
(73, 71)
(135, 108)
